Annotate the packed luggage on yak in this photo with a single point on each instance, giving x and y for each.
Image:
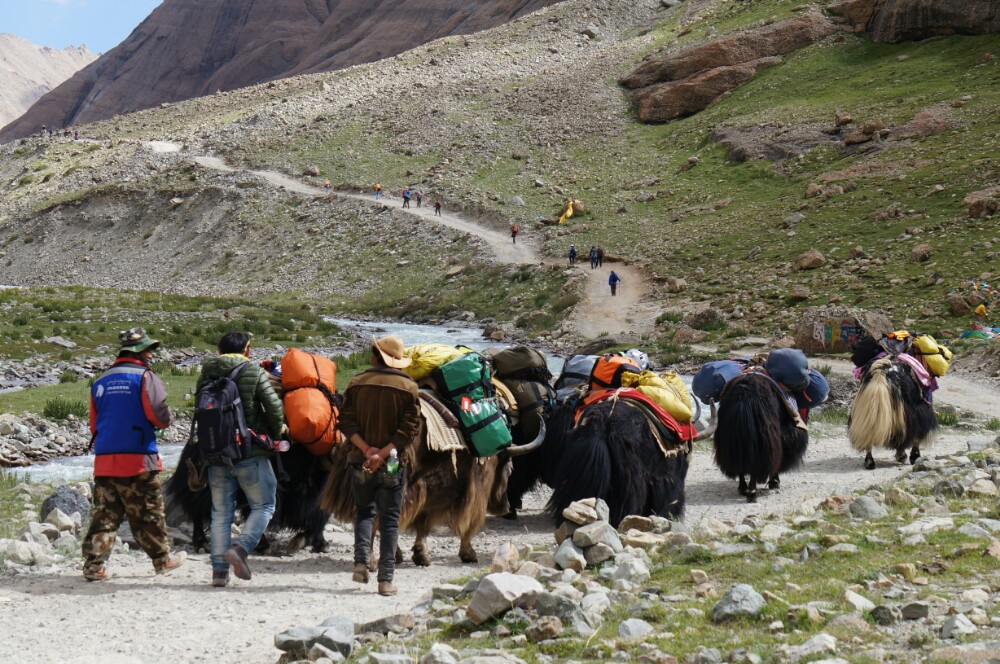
(619, 432)
(764, 404)
(892, 409)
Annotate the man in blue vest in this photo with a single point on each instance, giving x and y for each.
(128, 405)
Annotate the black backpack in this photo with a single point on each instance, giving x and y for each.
(218, 427)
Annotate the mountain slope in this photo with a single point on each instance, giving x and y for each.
(28, 71)
(190, 48)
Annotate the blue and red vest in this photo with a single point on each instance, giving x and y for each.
(121, 423)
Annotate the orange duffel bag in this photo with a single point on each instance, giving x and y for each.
(608, 370)
(312, 404)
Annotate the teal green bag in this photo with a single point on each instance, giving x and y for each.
(465, 376)
(485, 428)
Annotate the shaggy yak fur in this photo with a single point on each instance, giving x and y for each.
(441, 488)
(610, 454)
(890, 411)
(296, 507)
(756, 436)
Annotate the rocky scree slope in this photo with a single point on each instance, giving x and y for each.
(509, 122)
(187, 49)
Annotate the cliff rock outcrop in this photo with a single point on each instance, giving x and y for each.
(28, 71)
(891, 21)
(190, 48)
(684, 82)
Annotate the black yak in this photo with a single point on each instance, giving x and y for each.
(616, 451)
(296, 507)
(759, 434)
(890, 410)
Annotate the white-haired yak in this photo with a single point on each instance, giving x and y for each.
(760, 434)
(891, 410)
(618, 446)
(445, 485)
(300, 482)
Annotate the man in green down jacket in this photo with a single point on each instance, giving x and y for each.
(264, 413)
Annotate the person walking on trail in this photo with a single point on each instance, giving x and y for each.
(378, 191)
(128, 408)
(381, 413)
(264, 414)
(572, 254)
(420, 198)
(593, 258)
(514, 230)
(600, 256)
(613, 281)
(327, 186)
(406, 198)
(437, 208)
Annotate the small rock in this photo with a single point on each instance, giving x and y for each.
(739, 601)
(957, 626)
(634, 628)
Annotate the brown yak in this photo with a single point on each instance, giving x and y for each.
(450, 487)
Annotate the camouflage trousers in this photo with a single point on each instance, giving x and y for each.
(137, 499)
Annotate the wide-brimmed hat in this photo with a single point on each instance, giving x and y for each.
(136, 340)
(391, 350)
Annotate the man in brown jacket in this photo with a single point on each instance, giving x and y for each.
(381, 413)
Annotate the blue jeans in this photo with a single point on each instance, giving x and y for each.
(383, 494)
(256, 477)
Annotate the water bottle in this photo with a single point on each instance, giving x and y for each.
(392, 463)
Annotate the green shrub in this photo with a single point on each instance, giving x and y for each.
(947, 418)
(993, 424)
(825, 370)
(669, 317)
(37, 334)
(60, 409)
(69, 377)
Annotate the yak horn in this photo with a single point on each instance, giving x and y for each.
(713, 422)
(520, 450)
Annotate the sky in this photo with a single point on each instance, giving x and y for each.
(100, 24)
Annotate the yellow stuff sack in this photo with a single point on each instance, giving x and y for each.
(936, 358)
(428, 357)
(666, 389)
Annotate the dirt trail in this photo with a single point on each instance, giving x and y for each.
(596, 315)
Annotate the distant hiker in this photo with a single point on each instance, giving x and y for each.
(514, 230)
(420, 198)
(572, 254)
(128, 406)
(600, 256)
(406, 198)
(76, 134)
(613, 281)
(437, 208)
(378, 191)
(593, 258)
(326, 185)
(264, 413)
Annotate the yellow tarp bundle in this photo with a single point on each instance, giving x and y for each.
(428, 357)
(572, 206)
(935, 357)
(666, 389)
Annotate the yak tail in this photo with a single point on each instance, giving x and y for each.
(338, 497)
(748, 440)
(877, 418)
(584, 469)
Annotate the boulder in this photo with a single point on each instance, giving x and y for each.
(544, 628)
(501, 592)
(506, 558)
(336, 634)
(865, 507)
(920, 253)
(634, 628)
(834, 329)
(810, 260)
(570, 613)
(67, 500)
(740, 601)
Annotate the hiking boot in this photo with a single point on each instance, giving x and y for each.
(220, 578)
(101, 574)
(360, 573)
(173, 562)
(237, 557)
(386, 589)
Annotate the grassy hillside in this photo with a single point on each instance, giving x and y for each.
(533, 110)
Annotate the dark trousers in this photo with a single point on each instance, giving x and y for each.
(614, 289)
(382, 493)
